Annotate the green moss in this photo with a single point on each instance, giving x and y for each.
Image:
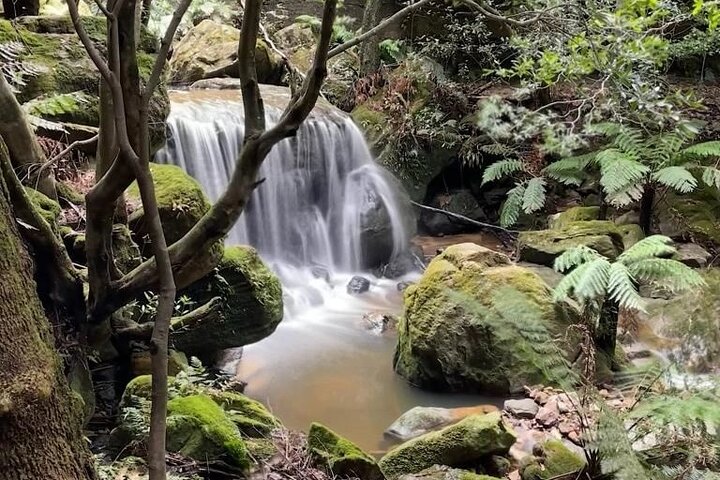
(697, 213)
(125, 251)
(631, 234)
(544, 246)
(215, 425)
(48, 208)
(251, 416)
(468, 441)
(339, 455)
(264, 283)
(442, 345)
(574, 214)
(181, 202)
(137, 387)
(557, 460)
(68, 193)
(76, 107)
(260, 449)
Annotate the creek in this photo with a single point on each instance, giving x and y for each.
(324, 213)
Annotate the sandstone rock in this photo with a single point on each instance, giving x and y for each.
(442, 472)
(339, 455)
(421, 420)
(692, 255)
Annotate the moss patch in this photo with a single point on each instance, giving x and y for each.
(76, 107)
(571, 215)
(544, 246)
(472, 439)
(251, 416)
(48, 208)
(556, 460)
(201, 411)
(339, 455)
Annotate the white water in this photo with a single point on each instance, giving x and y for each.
(312, 210)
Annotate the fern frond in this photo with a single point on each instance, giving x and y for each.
(631, 141)
(607, 129)
(534, 196)
(594, 283)
(622, 288)
(499, 149)
(683, 411)
(502, 169)
(664, 148)
(619, 171)
(631, 193)
(570, 170)
(649, 247)
(711, 176)
(705, 149)
(512, 207)
(573, 257)
(666, 272)
(616, 452)
(678, 178)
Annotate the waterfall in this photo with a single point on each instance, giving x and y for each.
(323, 200)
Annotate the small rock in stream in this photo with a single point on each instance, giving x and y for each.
(358, 285)
(522, 408)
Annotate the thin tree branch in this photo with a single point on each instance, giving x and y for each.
(161, 58)
(87, 42)
(463, 218)
(252, 100)
(388, 22)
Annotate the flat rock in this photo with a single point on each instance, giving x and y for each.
(421, 420)
(692, 255)
(521, 408)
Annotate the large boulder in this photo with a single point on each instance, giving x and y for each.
(442, 472)
(544, 246)
(442, 345)
(181, 204)
(250, 306)
(198, 428)
(552, 460)
(339, 455)
(250, 416)
(209, 50)
(421, 420)
(472, 440)
(694, 215)
(461, 202)
(573, 214)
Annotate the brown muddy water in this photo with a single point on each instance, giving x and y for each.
(323, 365)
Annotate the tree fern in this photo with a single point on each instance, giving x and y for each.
(570, 170)
(534, 195)
(502, 169)
(706, 149)
(575, 256)
(620, 173)
(622, 288)
(711, 176)
(676, 177)
(666, 272)
(649, 247)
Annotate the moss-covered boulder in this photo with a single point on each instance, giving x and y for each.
(60, 82)
(471, 440)
(571, 215)
(444, 346)
(339, 455)
(442, 472)
(695, 215)
(553, 461)
(631, 234)
(209, 50)
(544, 246)
(250, 416)
(199, 428)
(250, 308)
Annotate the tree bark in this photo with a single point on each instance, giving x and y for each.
(40, 420)
(646, 208)
(19, 8)
(369, 51)
(606, 334)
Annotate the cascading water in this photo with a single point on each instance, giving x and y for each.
(324, 203)
(321, 191)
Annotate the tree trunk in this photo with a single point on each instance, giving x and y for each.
(646, 208)
(40, 419)
(19, 8)
(369, 51)
(606, 334)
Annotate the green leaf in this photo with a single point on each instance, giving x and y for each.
(511, 209)
(711, 176)
(666, 272)
(501, 169)
(534, 196)
(649, 247)
(622, 289)
(706, 149)
(678, 178)
(619, 171)
(573, 257)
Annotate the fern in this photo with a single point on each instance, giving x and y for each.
(575, 256)
(649, 247)
(622, 288)
(619, 460)
(570, 170)
(688, 410)
(711, 176)
(678, 178)
(534, 196)
(501, 169)
(706, 149)
(620, 172)
(511, 209)
(667, 273)
(631, 142)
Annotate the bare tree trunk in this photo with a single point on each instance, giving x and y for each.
(369, 51)
(25, 152)
(647, 202)
(40, 421)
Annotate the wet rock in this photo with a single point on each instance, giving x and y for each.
(470, 440)
(358, 285)
(402, 286)
(421, 420)
(320, 272)
(522, 408)
(339, 455)
(461, 202)
(379, 323)
(403, 264)
(692, 255)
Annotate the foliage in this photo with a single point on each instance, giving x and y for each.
(592, 278)
(223, 11)
(15, 69)
(342, 31)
